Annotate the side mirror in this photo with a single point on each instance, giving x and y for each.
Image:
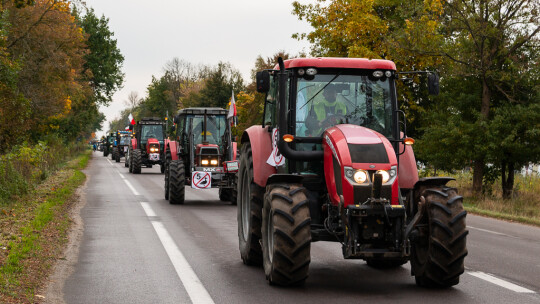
(131, 127)
(433, 84)
(175, 119)
(173, 128)
(263, 81)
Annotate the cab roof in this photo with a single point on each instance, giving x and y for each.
(333, 62)
(197, 111)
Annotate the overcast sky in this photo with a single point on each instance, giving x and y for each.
(150, 33)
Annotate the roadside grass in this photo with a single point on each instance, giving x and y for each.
(34, 232)
(523, 207)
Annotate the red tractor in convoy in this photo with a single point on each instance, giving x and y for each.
(146, 148)
(331, 162)
(201, 154)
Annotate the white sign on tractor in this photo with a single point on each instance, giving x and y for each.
(201, 180)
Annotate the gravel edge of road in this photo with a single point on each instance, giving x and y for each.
(64, 267)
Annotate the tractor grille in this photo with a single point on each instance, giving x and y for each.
(362, 193)
(368, 153)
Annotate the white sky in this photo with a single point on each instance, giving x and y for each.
(150, 33)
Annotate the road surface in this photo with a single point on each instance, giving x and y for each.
(137, 248)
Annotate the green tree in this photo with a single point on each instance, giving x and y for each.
(103, 62)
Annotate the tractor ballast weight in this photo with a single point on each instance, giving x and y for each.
(146, 147)
(202, 142)
(330, 163)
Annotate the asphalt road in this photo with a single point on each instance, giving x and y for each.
(137, 248)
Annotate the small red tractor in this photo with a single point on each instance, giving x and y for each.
(331, 162)
(201, 154)
(146, 148)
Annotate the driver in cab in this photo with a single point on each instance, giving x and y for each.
(325, 112)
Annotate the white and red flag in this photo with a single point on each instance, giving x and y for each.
(232, 109)
(131, 119)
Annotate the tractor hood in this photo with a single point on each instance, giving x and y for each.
(152, 143)
(352, 155)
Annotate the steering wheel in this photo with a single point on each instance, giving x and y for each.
(332, 120)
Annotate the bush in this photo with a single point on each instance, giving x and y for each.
(28, 165)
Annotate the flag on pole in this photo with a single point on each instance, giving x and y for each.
(127, 128)
(232, 109)
(131, 119)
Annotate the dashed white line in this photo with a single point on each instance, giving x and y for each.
(131, 187)
(502, 283)
(110, 162)
(122, 176)
(147, 209)
(194, 287)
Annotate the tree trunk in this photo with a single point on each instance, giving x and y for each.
(507, 180)
(478, 175)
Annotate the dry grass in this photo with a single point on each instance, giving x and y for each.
(523, 207)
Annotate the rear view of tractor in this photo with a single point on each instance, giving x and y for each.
(201, 154)
(146, 148)
(123, 139)
(331, 162)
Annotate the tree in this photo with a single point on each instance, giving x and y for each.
(494, 42)
(103, 62)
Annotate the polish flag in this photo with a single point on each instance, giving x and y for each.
(131, 120)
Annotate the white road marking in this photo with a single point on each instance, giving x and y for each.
(131, 187)
(147, 209)
(122, 176)
(502, 283)
(195, 289)
(485, 230)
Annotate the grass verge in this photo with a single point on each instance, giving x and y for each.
(34, 232)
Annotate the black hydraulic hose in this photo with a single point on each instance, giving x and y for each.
(282, 145)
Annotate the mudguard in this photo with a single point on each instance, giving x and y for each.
(261, 148)
(171, 147)
(407, 170)
(134, 143)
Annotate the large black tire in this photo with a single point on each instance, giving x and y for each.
(162, 168)
(116, 154)
(224, 194)
(136, 160)
(126, 164)
(439, 247)
(129, 160)
(177, 179)
(166, 178)
(286, 235)
(249, 211)
(234, 192)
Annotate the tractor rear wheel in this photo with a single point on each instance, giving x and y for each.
(438, 246)
(224, 194)
(136, 160)
(129, 160)
(234, 191)
(249, 211)
(126, 163)
(177, 179)
(116, 155)
(286, 235)
(166, 177)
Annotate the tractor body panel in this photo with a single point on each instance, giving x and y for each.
(261, 147)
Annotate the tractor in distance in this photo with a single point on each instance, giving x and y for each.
(146, 148)
(200, 154)
(122, 140)
(108, 144)
(332, 162)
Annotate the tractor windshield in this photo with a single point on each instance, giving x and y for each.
(215, 128)
(326, 100)
(124, 140)
(151, 131)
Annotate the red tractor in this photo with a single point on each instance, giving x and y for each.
(331, 162)
(146, 148)
(201, 154)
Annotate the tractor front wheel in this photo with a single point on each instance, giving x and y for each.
(136, 160)
(249, 211)
(166, 177)
(177, 179)
(116, 155)
(438, 245)
(286, 235)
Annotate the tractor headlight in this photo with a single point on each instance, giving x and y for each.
(385, 175)
(360, 176)
(154, 149)
(204, 162)
(213, 162)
